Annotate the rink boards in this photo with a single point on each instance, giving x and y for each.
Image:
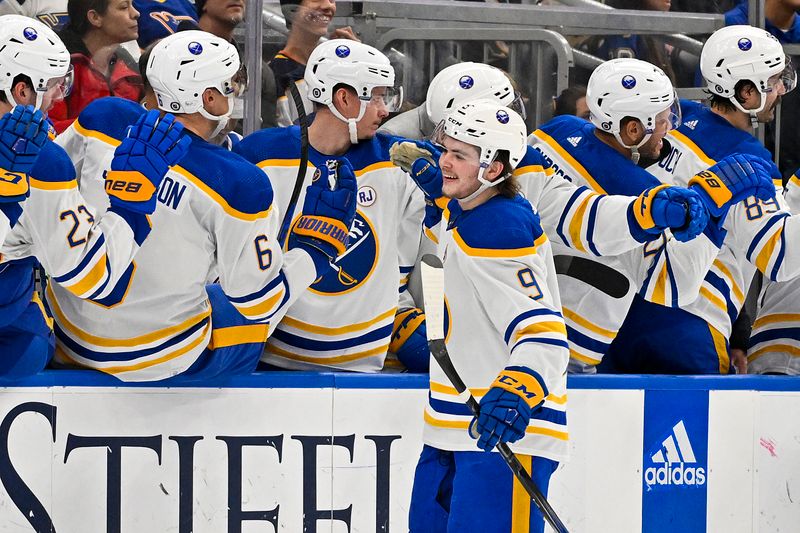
(336, 453)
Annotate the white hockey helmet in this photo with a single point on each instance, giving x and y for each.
(741, 52)
(490, 127)
(184, 64)
(31, 48)
(462, 82)
(626, 87)
(357, 65)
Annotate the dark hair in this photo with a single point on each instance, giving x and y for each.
(724, 104)
(510, 186)
(18, 78)
(79, 9)
(566, 102)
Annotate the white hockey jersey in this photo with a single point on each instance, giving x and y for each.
(775, 338)
(51, 12)
(502, 309)
(214, 220)
(759, 233)
(345, 319)
(86, 251)
(596, 292)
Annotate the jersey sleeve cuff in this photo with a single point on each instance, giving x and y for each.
(641, 235)
(138, 222)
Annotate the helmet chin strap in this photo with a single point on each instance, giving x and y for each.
(752, 113)
(484, 185)
(352, 123)
(635, 155)
(221, 120)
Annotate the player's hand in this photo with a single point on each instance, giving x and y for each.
(665, 206)
(739, 360)
(345, 32)
(23, 132)
(421, 160)
(410, 340)
(507, 408)
(733, 179)
(151, 146)
(328, 212)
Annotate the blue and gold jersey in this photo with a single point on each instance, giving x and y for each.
(344, 320)
(502, 309)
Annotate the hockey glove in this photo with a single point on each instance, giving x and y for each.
(328, 212)
(507, 408)
(152, 145)
(410, 340)
(23, 132)
(665, 206)
(733, 179)
(421, 160)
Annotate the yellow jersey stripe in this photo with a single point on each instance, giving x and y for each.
(727, 273)
(491, 252)
(282, 163)
(717, 301)
(96, 134)
(327, 360)
(215, 196)
(573, 316)
(323, 330)
(431, 235)
(552, 326)
(47, 318)
(686, 141)
(576, 225)
(777, 317)
(262, 308)
(721, 348)
(464, 424)
(234, 335)
(374, 166)
(659, 296)
(527, 169)
(521, 500)
(794, 351)
(764, 256)
(121, 343)
(52, 185)
(583, 358)
(570, 160)
(441, 388)
(92, 278)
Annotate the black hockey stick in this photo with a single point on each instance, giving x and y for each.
(301, 169)
(433, 294)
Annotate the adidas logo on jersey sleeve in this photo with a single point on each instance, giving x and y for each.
(691, 124)
(675, 463)
(574, 140)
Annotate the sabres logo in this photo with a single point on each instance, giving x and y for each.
(466, 82)
(745, 44)
(342, 50)
(30, 34)
(355, 265)
(195, 48)
(502, 117)
(628, 82)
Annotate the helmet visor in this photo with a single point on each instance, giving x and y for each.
(58, 88)
(237, 84)
(786, 78)
(668, 119)
(389, 97)
(518, 105)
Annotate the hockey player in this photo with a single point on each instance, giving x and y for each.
(84, 251)
(505, 336)
(213, 218)
(346, 319)
(746, 73)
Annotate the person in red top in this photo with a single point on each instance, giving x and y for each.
(102, 68)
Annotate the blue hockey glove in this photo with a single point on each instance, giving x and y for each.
(410, 340)
(152, 145)
(733, 179)
(665, 206)
(421, 160)
(23, 132)
(328, 212)
(507, 408)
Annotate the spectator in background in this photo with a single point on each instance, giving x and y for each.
(93, 37)
(307, 22)
(159, 18)
(648, 48)
(781, 18)
(571, 101)
(220, 17)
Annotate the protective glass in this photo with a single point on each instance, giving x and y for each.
(788, 77)
(518, 105)
(668, 119)
(237, 85)
(58, 88)
(390, 97)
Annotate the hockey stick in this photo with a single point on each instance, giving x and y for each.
(301, 169)
(433, 294)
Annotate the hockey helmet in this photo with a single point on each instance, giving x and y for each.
(491, 128)
(357, 65)
(626, 87)
(462, 82)
(29, 47)
(741, 52)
